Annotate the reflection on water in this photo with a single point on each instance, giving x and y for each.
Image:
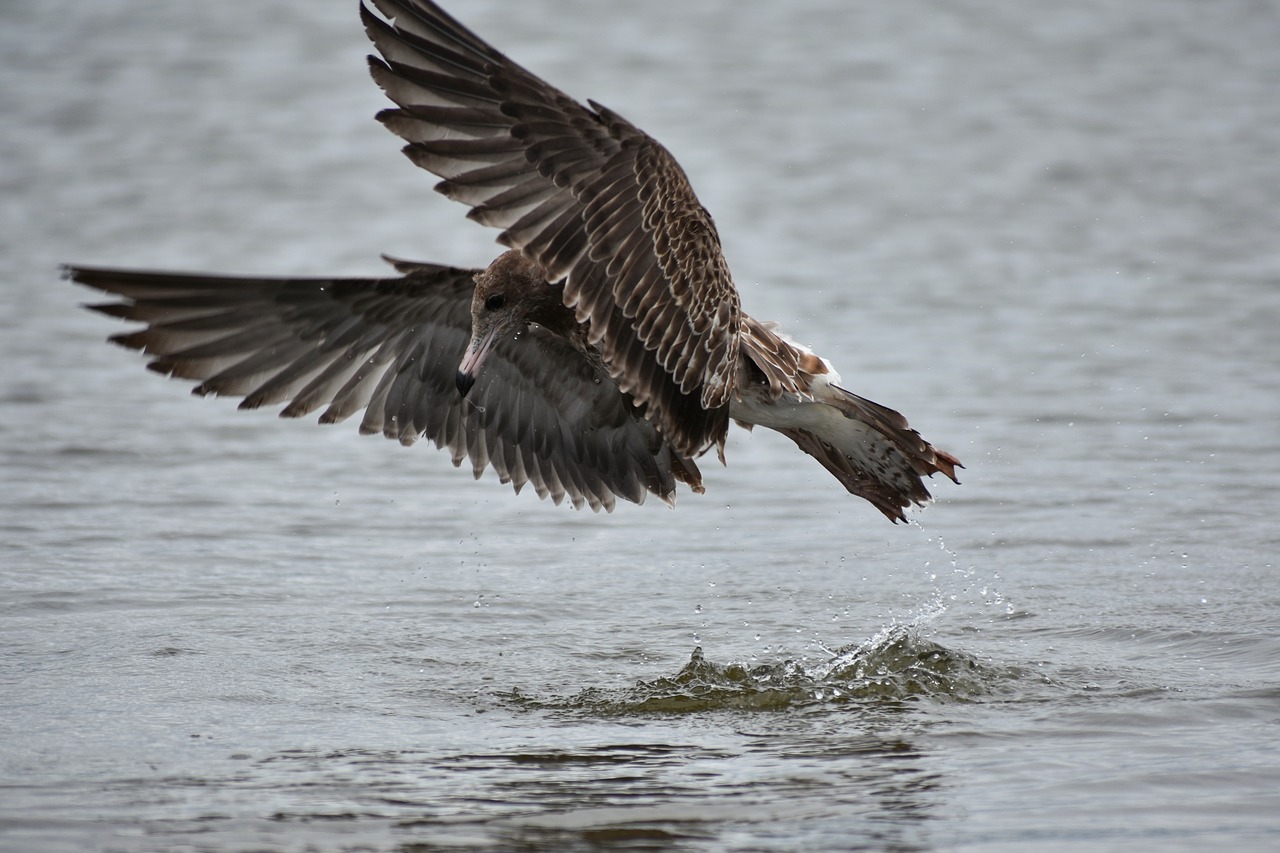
(828, 755)
(638, 795)
(829, 774)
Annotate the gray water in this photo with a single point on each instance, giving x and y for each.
(1048, 232)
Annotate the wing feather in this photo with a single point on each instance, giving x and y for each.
(583, 193)
(540, 413)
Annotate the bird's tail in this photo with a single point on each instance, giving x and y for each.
(873, 452)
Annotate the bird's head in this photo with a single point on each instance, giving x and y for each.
(506, 294)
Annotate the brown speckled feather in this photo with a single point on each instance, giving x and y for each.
(540, 415)
(587, 196)
(594, 359)
(869, 448)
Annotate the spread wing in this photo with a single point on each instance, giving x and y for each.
(540, 413)
(583, 193)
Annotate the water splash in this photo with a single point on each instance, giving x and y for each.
(965, 585)
(895, 665)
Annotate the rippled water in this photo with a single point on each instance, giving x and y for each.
(1045, 232)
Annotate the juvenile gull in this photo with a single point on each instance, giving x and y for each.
(595, 359)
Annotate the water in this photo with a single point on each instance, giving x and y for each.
(1047, 233)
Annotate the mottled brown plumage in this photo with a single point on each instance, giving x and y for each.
(595, 359)
(606, 212)
(590, 198)
(539, 415)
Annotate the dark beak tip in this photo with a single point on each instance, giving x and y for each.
(465, 381)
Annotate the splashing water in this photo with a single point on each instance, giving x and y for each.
(895, 665)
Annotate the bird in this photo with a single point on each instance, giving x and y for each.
(597, 357)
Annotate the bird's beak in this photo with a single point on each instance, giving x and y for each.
(477, 352)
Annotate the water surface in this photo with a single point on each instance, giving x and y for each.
(1046, 233)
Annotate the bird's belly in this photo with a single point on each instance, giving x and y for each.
(787, 412)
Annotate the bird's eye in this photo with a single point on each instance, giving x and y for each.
(493, 303)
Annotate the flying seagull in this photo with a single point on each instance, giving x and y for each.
(596, 358)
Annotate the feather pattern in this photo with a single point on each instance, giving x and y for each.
(584, 194)
(869, 448)
(613, 344)
(541, 414)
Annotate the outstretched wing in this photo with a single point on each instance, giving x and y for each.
(583, 193)
(539, 414)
